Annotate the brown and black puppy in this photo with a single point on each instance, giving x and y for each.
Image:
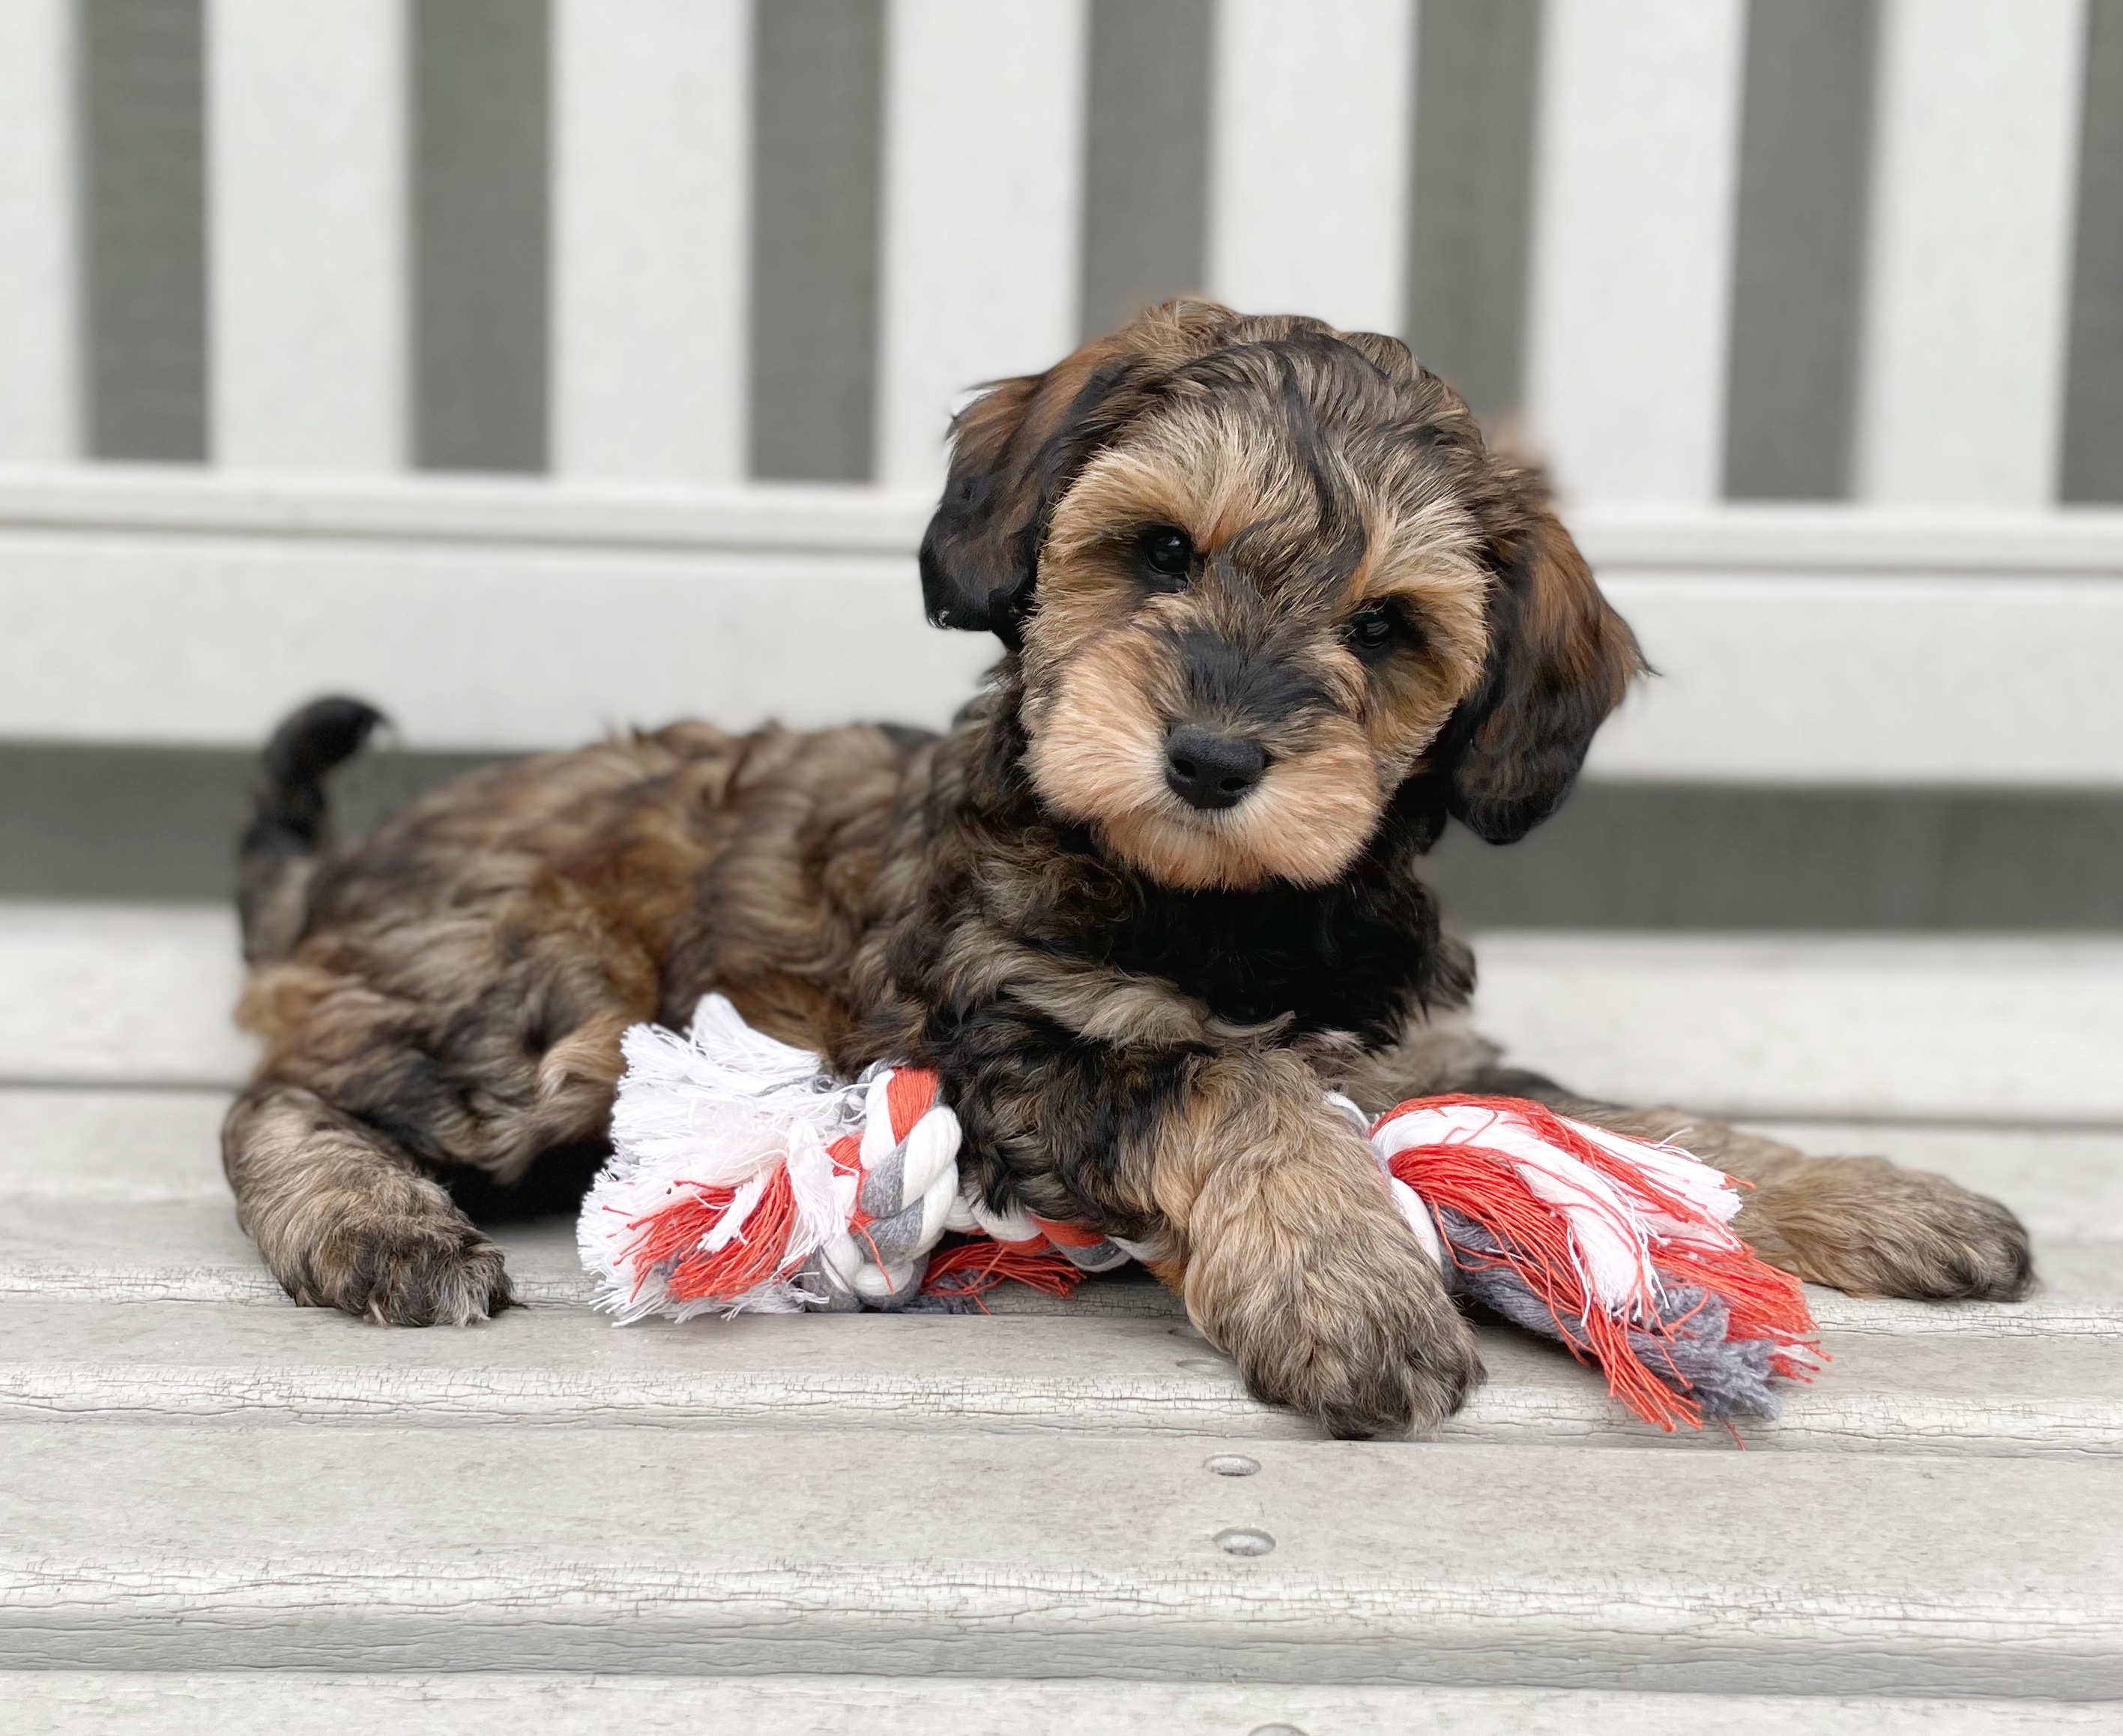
(1273, 615)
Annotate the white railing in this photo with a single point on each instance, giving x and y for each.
(40, 407)
(1962, 394)
(646, 576)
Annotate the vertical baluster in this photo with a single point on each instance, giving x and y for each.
(40, 278)
(140, 133)
(2091, 465)
(983, 169)
(1312, 107)
(481, 209)
(1969, 260)
(818, 116)
(1798, 249)
(1477, 75)
(651, 170)
(1146, 155)
(1636, 171)
(307, 233)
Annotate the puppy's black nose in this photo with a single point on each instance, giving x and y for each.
(1207, 771)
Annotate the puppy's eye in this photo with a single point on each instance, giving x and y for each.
(1166, 556)
(1370, 630)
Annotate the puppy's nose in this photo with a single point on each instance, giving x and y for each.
(1208, 770)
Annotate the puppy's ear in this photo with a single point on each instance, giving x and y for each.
(1560, 659)
(1016, 449)
(978, 555)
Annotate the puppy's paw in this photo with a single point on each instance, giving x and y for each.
(1353, 1327)
(409, 1269)
(1394, 1367)
(1868, 1226)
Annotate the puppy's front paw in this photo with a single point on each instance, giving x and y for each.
(407, 1269)
(1869, 1227)
(1350, 1326)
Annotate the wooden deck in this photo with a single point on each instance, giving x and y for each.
(221, 1512)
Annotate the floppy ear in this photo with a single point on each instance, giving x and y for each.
(980, 550)
(1016, 449)
(1559, 661)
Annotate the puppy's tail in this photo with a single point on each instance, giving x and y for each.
(287, 822)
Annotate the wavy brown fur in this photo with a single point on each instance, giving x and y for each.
(1133, 1001)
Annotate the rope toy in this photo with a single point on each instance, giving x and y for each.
(744, 1179)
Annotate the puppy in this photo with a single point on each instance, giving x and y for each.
(1272, 615)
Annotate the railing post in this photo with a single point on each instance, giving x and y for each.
(983, 174)
(1637, 168)
(40, 418)
(1312, 111)
(651, 160)
(305, 104)
(1969, 262)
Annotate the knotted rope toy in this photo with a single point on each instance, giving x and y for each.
(744, 1178)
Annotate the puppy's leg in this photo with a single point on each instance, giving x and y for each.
(1271, 1220)
(365, 1095)
(1291, 1256)
(1862, 1224)
(346, 1220)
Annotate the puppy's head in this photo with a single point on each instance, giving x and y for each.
(1267, 584)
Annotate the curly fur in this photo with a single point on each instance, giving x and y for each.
(1132, 1000)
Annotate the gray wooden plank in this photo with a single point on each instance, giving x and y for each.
(117, 994)
(97, 1142)
(2078, 1289)
(65, 1359)
(2064, 1183)
(1937, 1028)
(100, 1142)
(895, 1553)
(163, 1226)
(189, 1250)
(151, 1703)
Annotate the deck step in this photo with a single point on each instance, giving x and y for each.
(734, 1551)
(2021, 1030)
(101, 1143)
(202, 1477)
(1925, 1027)
(153, 1703)
(115, 993)
(109, 1143)
(117, 1362)
(2066, 1184)
(191, 1250)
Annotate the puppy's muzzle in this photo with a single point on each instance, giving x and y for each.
(1206, 770)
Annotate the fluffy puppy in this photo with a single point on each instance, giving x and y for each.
(1273, 613)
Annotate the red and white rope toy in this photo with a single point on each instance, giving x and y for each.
(745, 1179)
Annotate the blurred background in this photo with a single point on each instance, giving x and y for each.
(535, 367)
